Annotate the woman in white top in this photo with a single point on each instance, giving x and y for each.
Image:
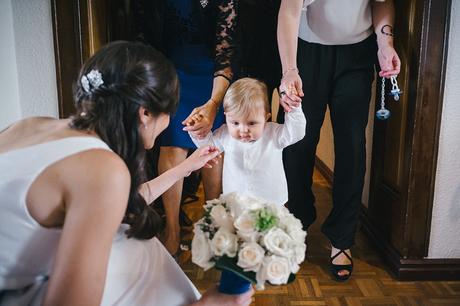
(328, 53)
(67, 185)
(253, 163)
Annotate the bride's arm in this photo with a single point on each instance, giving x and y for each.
(152, 189)
(95, 188)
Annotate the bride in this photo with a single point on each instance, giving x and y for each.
(67, 185)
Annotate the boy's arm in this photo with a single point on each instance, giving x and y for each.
(293, 128)
(201, 142)
(212, 138)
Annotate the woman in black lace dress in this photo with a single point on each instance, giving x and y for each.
(197, 35)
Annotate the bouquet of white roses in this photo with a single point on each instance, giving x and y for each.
(256, 240)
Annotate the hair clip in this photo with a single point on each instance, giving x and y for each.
(204, 3)
(91, 80)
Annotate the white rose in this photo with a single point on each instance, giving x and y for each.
(278, 242)
(275, 269)
(238, 203)
(224, 242)
(221, 218)
(293, 228)
(234, 203)
(299, 252)
(298, 258)
(298, 235)
(281, 211)
(211, 203)
(250, 256)
(246, 227)
(201, 250)
(229, 198)
(252, 203)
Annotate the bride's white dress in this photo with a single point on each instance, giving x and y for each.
(143, 273)
(139, 272)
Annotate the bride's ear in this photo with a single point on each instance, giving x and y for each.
(144, 116)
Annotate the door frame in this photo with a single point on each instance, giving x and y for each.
(80, 27)
(425, 90)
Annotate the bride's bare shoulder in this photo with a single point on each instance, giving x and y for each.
(33, 130)
(30, 125)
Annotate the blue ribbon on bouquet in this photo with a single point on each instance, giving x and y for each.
(234, 280)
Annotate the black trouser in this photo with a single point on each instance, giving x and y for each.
(341, 77)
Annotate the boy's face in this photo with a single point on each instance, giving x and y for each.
(247, 128)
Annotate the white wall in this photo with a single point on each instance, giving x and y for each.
(369, 142)
(28, 59)
(325, 148)
(445, 224)
(9, 93)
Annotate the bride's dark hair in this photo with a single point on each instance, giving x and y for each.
(133, 75)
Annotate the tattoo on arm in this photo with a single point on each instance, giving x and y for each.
(387, 30)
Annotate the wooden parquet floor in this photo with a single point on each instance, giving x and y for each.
(370, 284)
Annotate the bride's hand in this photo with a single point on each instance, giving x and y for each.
(214, 297)
(206, 156)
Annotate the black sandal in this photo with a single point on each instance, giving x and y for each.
(335, 269)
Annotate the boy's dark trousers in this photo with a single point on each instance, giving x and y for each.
(340, 77)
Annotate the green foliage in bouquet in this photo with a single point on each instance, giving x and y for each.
(265, 219)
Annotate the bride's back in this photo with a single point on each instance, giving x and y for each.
(34, 130)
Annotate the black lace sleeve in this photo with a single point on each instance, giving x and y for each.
(225, 31)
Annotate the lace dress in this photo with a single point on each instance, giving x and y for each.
(180, 28)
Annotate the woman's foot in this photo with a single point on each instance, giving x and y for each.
(341, 264)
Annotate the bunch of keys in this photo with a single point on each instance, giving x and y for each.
(384, 113)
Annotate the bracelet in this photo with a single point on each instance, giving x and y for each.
(217, 104)
(222, 75)
(290, 69)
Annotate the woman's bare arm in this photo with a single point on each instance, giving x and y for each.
(96, 193)
(204, 156)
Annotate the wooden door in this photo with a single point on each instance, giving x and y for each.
(80, 28)
(405, 146)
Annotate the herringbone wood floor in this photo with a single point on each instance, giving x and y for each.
(370, 284)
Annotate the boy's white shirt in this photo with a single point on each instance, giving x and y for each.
(256, 168)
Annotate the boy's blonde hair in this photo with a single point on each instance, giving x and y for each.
(245, 96)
